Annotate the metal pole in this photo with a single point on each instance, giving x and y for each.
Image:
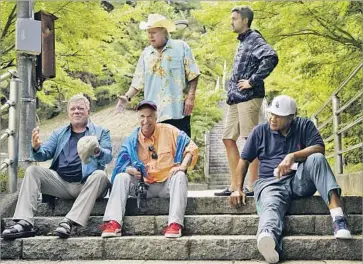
(206, 156)
(13, 145)
(27, 115)
(315, 120)
(225, 87)
(337, 136)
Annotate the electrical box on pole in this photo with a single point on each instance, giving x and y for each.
(46, 68)
(28, 36)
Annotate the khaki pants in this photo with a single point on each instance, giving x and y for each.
(241, 119)
(175, 187)
(49, 182)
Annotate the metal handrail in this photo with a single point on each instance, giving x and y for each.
(12, 133)
(353, 73)
(325, 123)
(350, 125)
(338, 132)
(359, 94)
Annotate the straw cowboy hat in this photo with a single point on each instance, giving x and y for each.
(155, 21)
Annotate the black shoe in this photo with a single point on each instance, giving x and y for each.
(247, 192)
(20, 229)
(225, 192)
(64, 228)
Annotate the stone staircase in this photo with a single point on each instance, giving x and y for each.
(219, 173)
(213, 231)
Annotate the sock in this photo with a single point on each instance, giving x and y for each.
(336, 212)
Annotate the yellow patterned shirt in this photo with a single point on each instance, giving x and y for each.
(164, 77)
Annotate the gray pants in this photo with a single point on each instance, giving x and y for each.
(175, 187)
(49, 182)
(273, 196)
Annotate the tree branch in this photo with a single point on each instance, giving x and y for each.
(62, 7)
(8, 49)
(10, 20)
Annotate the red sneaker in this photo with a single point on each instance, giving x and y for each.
(174, 230)
(110, 229)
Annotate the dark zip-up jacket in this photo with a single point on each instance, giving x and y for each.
(254, 61)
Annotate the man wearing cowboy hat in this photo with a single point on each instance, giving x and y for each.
(167, 72)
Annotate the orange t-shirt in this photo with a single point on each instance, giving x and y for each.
(164, 143)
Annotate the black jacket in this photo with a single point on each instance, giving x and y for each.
(254, 61)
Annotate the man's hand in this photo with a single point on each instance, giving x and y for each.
(175, 169)
(284, 167)
(121, 104)
(134, 172)
(237, 198)
(189, 104)
(243, 84)
(36, 142)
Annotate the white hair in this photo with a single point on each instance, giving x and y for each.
(79, 97)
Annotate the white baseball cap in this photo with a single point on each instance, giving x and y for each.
(282, 105)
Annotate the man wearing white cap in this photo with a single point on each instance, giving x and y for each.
(167, 72)
(292, 164)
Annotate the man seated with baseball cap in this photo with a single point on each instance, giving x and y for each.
(292, 164)
(161, 154)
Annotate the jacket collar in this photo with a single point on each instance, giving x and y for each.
(243, 35)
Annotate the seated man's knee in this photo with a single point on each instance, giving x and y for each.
(32, 171)
(180, 176)
(316, 157)
(98, 175)
(122, 178)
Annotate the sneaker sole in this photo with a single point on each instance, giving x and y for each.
(266, 245)
(343, 234)
(62, 235)
(108, 235)
(172, 235)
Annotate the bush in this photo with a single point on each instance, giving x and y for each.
(4, 179)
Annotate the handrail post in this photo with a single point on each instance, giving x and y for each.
(337, 136)
(315, 120)
(13, 140)
(206, 156)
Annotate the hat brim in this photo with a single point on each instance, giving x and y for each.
(275, 111)
(165, 23)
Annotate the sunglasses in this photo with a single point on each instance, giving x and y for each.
(154, 155)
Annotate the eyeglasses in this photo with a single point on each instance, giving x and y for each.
(154, 155)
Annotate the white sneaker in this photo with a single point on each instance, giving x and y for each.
(266, 245)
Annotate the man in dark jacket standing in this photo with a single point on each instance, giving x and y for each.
(253, 62)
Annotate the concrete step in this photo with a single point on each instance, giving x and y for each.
(206, 205)
(220, 181)
(130, 261)
(217, 177)
(204, 225)
(185, 248)
(218, 186)
(218, 170)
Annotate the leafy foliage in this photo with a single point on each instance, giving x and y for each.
(97, 47)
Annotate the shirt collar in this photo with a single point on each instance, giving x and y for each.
(289, 133)
(87, 126)
(167, 46)
(153, 136)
